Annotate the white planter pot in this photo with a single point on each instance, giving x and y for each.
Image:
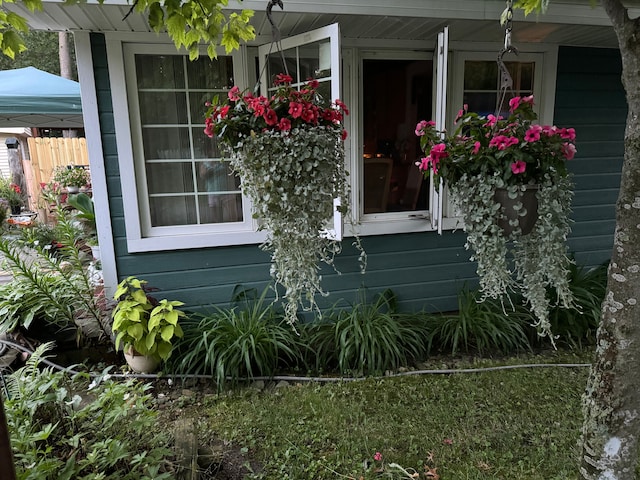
(141, 363)
(95, 251)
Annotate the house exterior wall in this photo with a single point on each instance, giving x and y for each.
(590, 97)
(425, 270)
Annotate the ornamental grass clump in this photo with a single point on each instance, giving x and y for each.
(288, 151)
(488, 157)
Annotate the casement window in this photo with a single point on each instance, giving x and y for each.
(177, 188)
(399, 88)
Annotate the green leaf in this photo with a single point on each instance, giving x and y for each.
(136, 331)
(167, 333)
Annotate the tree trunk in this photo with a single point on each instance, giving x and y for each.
(612, 399)
(66, 69)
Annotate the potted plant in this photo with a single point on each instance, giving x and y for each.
(288, 151)
(499, 171)
(12, 194)
(73, 178)
(144, 327)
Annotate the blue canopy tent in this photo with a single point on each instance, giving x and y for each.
(32, 98)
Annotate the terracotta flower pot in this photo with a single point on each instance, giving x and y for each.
(141, 363)
(529, 203)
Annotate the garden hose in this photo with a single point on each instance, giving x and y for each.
(161, 376)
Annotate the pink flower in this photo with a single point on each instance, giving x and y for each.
(423, 165)
(528, 100)
(422, 125)
(569, 150)
(208, 127)
(549, 130)
(518, 167)
(533, 134)
(377, 457)
(502, 142)
(476, 148)
(491, 120)
(234, 94)
(567, 133)
(439, 151)
(514, 103)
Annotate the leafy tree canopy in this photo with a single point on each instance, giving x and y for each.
(188, 23)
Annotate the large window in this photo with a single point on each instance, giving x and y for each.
(188, 182)
(178, 190)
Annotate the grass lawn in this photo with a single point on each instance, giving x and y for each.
(507, 424)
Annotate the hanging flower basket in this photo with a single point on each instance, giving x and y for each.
(288, 151)
(508, 179)
(519, 211)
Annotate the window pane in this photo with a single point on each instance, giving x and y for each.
(160, 71)
(483, 103)
(480, 75)
(216, 176)
(163, 108)
(203, 146)
(396, 95)
(166, 143)
(170, 177)
(205, 73)
(198, 108)
(178, 210)
(220, 208)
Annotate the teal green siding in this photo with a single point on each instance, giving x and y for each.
(425, 270)
(590, 98)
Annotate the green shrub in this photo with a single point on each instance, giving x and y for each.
(247, 340)
(368, 338)
(578, 325)
(104, 430)
(47, 289)
(482, 327)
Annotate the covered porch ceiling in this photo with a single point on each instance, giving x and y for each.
(569, 22)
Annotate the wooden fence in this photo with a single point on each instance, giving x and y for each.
(47, 154)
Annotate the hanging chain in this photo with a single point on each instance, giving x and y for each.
(276, 39)
(506, 82)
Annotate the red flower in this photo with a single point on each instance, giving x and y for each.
(271, 117)
(344, 135)
(295, 109)
(282, 78)
(284, 125)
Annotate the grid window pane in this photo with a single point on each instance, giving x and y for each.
(160, 71)
(163, 108)
(170, 177)
(171, 103)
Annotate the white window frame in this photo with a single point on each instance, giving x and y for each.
(141, 237)
(386, 223)
(331, 32)
(545, 58)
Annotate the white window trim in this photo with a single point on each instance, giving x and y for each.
(119, 47)
(545, 56)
